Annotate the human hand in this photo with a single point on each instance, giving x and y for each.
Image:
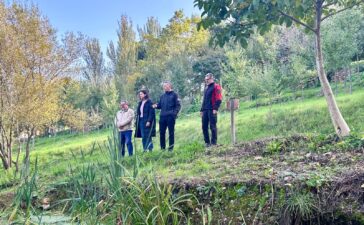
(201, 114)
(147, 124)
(154, 106)
(214, 112)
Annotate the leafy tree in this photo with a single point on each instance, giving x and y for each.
(178, 70)
(235, 73)
(151, 78)
(271, 81)
(94, 73)
(75, 119)
(209, 60)
(31, 63)
(123, 56)
(152, 29)
(171, 55)
(149, 33)
(340, 39)
(110, 101)
(295, 60)
(298, 74)
(240, 19)
(94, 62)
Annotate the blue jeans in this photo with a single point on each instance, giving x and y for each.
(146, 133)
(125, 138)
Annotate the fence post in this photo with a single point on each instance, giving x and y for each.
(232, 119)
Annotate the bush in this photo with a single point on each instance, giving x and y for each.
(300, 206)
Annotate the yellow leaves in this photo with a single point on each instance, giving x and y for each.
(132, 78)
(181, 35)
(260, 39)
(74, 118)
(37, 101)
(31, 61)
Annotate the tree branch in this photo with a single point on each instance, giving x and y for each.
(327, 5)
(341, 10)
(241, 23)
(297, 21)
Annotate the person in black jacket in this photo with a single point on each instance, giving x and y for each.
(211, 102)
(169, 104)
(145, 123)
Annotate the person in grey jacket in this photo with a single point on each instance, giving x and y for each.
(124, 122)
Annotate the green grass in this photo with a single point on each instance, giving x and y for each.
(310, 115)
(82, 169)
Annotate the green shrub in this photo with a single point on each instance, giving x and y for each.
(274, 147)
(300, 206)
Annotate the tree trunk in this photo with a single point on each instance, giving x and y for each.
(4, 161)
(335, 80)
(4, 152)
(10, 156)
(17, 156)
(27, 148)
(10, 147)
(340, 125)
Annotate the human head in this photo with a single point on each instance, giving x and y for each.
(167, 86)
(124, 104)
(143, 94)
(209, 78)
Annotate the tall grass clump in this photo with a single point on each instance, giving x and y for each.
(140, 199)
(300, 207)
(125, 196)
(86, 193)
(25, 193)
(147, 201)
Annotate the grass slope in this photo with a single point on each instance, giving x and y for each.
(57, 154)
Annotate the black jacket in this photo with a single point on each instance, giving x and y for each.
(207, 99)
(169, 104)
(149, 113)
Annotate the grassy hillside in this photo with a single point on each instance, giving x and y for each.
(302, 152)
(308, 116)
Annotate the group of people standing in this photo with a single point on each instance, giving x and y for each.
(170, 105)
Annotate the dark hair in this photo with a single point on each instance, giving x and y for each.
(145, 92)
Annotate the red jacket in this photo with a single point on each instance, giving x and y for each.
(212, 97)
(216, 96)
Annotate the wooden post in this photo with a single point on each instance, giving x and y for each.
(232, 119)
(351, 82)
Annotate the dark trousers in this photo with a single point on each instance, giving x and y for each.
(164, 122)
(208, 118)
(125, 138)
(146, 133)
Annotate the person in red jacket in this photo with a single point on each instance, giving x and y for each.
(211, 102)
